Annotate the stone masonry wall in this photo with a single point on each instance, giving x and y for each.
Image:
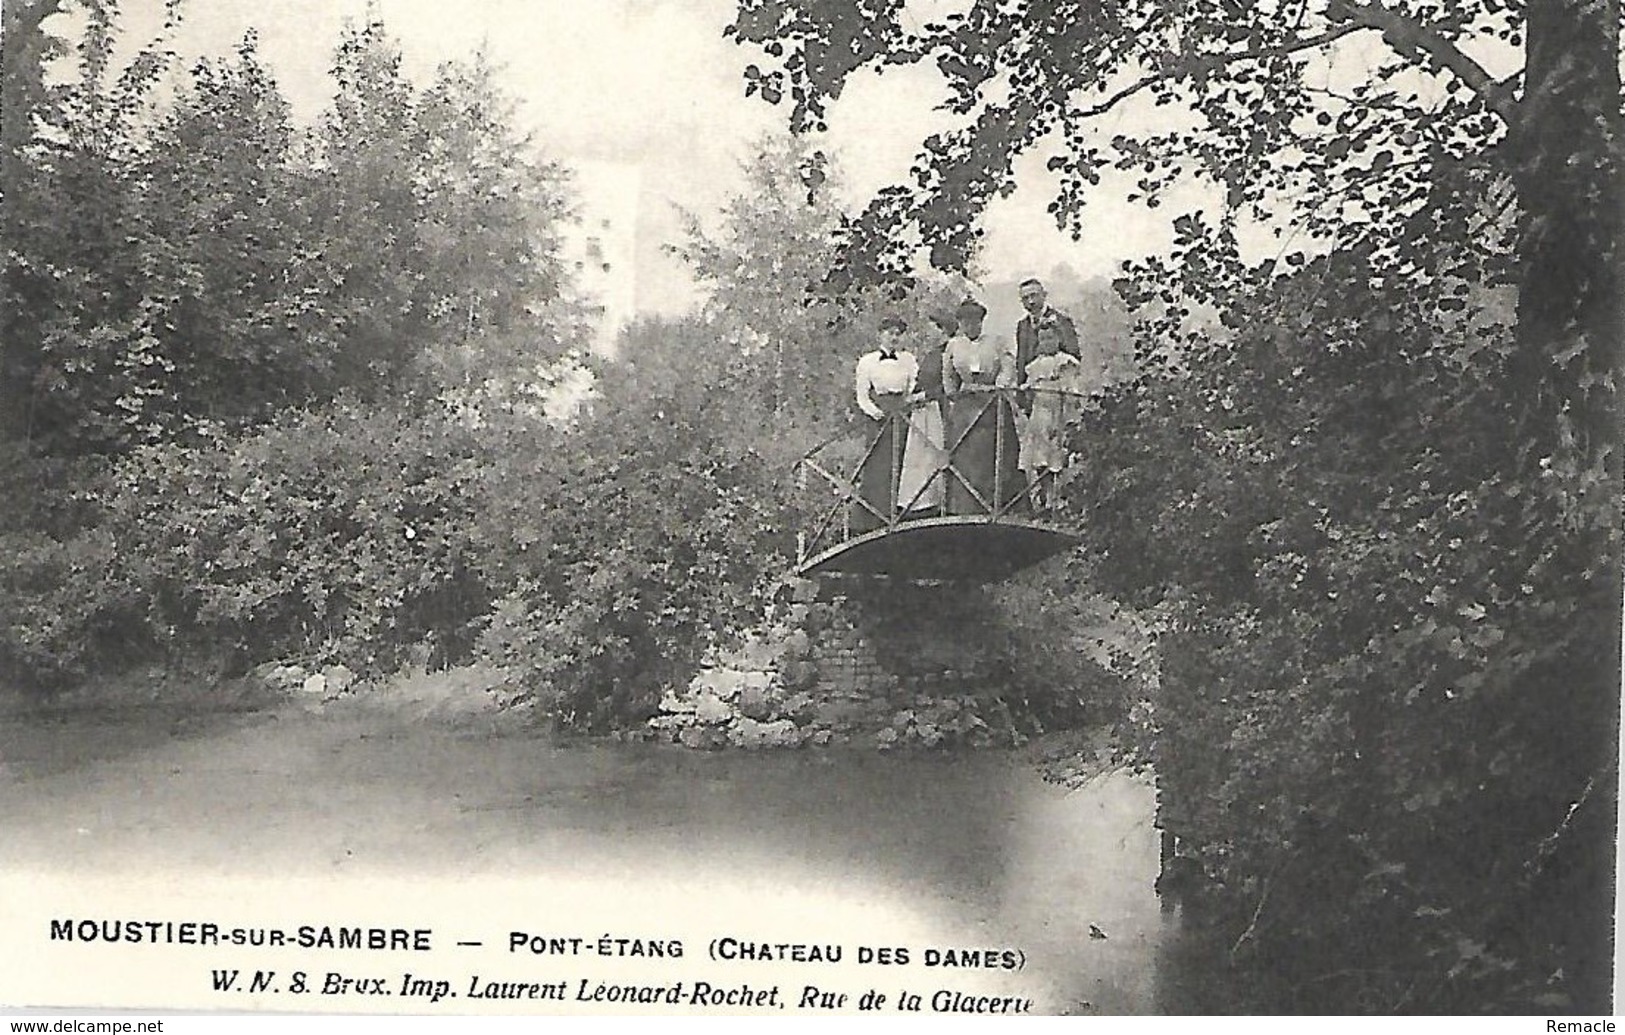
(870, 661)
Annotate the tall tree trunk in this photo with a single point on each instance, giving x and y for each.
(1566, 147)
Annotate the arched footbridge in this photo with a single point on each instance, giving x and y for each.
(943, 489)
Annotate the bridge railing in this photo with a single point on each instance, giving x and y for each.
(956, 457)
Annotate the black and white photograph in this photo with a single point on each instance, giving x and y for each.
(906, 509)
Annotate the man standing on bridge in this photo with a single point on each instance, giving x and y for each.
(1041, 317)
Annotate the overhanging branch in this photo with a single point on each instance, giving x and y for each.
(1409, 36)
(1404, 34)
(1209, 62)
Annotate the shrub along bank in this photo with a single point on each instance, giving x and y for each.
(592, 561)
(1385, 723)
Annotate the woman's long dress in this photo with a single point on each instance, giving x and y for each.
(982, 445)
(920, 480)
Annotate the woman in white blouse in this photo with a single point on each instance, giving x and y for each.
(981, 424)
(899, 471)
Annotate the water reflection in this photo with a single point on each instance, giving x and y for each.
(972, 846)
(961, 850)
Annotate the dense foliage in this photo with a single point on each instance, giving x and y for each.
(1369, 495)
(634, 548)
(1385, 674)
(185, 258)
(277, 392)
(590, 561)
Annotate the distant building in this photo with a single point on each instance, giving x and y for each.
(600, 248)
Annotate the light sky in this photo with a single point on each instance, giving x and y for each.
(649, 93)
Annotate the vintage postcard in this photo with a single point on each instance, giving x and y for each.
(937, 508)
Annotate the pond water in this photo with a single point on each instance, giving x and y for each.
(916, 849)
